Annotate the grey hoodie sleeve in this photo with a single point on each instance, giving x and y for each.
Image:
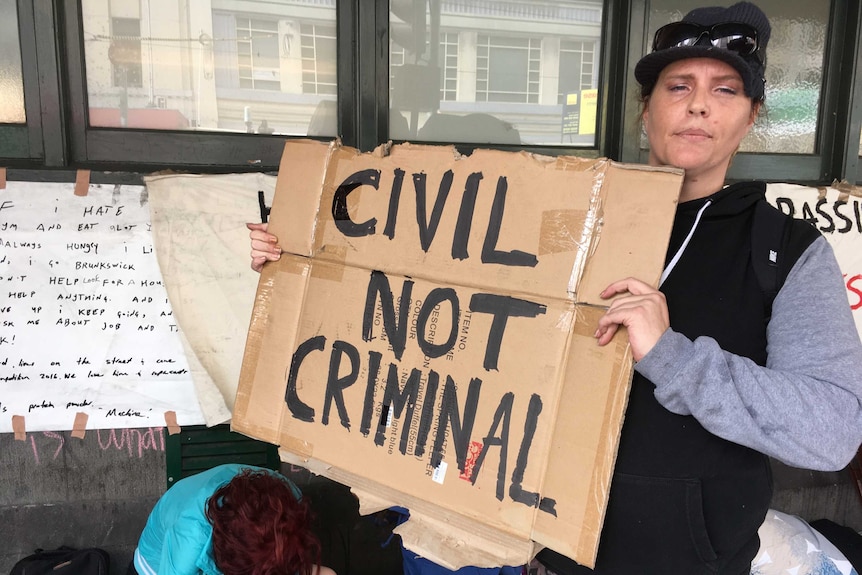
(805, 407)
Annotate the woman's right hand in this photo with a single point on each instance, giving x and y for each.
(642, 309)
(264, 246)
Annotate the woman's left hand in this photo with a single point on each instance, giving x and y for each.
(264, 246)
(643, 311)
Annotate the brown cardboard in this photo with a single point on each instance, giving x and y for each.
(517, 252)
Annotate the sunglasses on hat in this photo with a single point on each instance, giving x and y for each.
(735, 37)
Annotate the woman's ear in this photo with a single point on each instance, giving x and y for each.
(755, 111)
(645, 114)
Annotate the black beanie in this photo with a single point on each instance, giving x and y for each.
(750, 68)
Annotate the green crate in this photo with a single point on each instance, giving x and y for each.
(198, 448)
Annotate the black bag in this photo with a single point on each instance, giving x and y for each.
(64, 561)
(848, 541)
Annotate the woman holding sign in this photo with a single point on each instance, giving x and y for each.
(724, 376)
(728, 371)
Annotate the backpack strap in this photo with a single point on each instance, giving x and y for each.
(777, 241)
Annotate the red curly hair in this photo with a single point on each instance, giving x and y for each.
(260, 528)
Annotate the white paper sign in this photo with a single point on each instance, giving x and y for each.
(202, 244)
(85, 322)
(838, 216)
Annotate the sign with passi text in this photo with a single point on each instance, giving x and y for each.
(431, 319)
(837, 214)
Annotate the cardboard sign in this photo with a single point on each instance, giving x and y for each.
(428, 336)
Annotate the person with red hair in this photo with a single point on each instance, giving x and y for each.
(230, 520)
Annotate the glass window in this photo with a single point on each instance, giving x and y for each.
(257, 50)
(794, 71)
(124, 52)
(577, 65)
(251, 66)
(515, 72)
(507, 69)
(11, 80)
(449, 84)
(318, 59)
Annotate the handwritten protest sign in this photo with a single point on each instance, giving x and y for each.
(85, 323)
(428, 335)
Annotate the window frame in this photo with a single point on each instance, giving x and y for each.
(112, 148)
(57, 133)
(317, 83)
(851, 166)
(116, 69)
(39, 141)
(496, 48)
(580, 74)
(251, 42)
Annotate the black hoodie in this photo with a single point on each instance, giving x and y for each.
(684, 501)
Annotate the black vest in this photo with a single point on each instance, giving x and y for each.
(684, 501)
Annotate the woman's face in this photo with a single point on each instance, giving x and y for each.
(696, 117)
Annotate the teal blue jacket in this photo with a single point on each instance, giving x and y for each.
(177, 539)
